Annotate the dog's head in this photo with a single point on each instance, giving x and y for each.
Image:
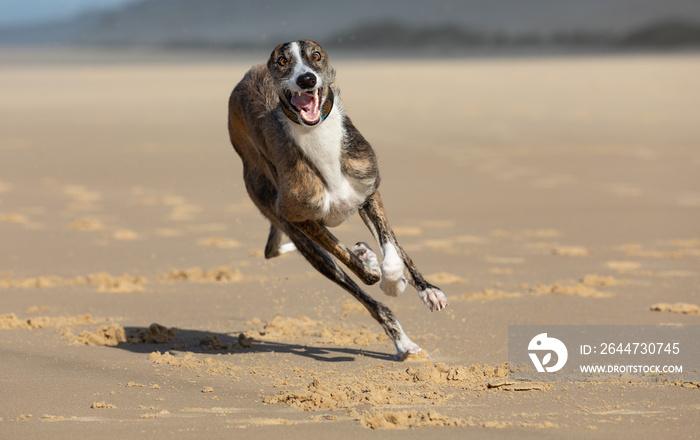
(303, 78)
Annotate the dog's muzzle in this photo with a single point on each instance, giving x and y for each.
(305, 107)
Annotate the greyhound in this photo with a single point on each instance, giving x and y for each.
(307, 168)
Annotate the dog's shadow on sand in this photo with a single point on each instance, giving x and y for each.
(212, 343)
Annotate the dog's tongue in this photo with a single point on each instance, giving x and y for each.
(307, 105)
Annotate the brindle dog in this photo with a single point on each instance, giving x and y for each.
(307, 168)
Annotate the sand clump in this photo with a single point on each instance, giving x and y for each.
(597, 280)
(219, 242)
(571, 251)
(407, 419)
(213, 343)
(586, 287)
(441, 373)
(330, 395)
(125, 235)
(680, 308)
(579, 289)
(155, 334)
(684, 242)
(102, 405)
(103, 281)
(123, 284)
(222, 274)
(11, 321)
(126, 283)
(445, 278)
(189, 360)
(86, 224)
(13, 217)
(410, 386)
(214, 366)
(163, 412)
(109, 335)
(681, 249)
(625, 267)
(486, 295)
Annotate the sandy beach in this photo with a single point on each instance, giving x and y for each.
(135, 299)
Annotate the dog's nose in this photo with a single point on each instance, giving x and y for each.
(306, 80)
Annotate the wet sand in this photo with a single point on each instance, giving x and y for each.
(532, 190)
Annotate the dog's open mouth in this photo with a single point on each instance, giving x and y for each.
(307, 105)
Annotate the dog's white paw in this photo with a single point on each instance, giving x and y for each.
(405, 348)
(393, 280)
(433, 298)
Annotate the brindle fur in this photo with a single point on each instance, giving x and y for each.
(289, 190)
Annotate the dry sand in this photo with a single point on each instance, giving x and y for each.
(534, 190)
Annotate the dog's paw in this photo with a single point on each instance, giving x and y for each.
(433, 298)
(410, 352)
(367, 256)
(393, 280)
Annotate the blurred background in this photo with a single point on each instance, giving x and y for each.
(414, 26)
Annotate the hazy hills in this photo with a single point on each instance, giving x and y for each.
(363, 23)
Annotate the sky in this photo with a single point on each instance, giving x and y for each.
(16, 12)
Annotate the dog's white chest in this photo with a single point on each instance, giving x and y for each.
(322, 146)
(342, 201)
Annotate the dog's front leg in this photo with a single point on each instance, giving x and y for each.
(397, 267)
(360, 260)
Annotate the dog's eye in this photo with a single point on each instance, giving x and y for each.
(316, 56)
(282, 61)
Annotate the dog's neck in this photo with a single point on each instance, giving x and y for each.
(322, 144)
(325, 110)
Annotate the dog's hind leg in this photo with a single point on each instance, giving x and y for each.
(359, 259)
(397, 267)
(274, 246)
(322, 261)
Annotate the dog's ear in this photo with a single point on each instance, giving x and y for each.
(272, 56)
